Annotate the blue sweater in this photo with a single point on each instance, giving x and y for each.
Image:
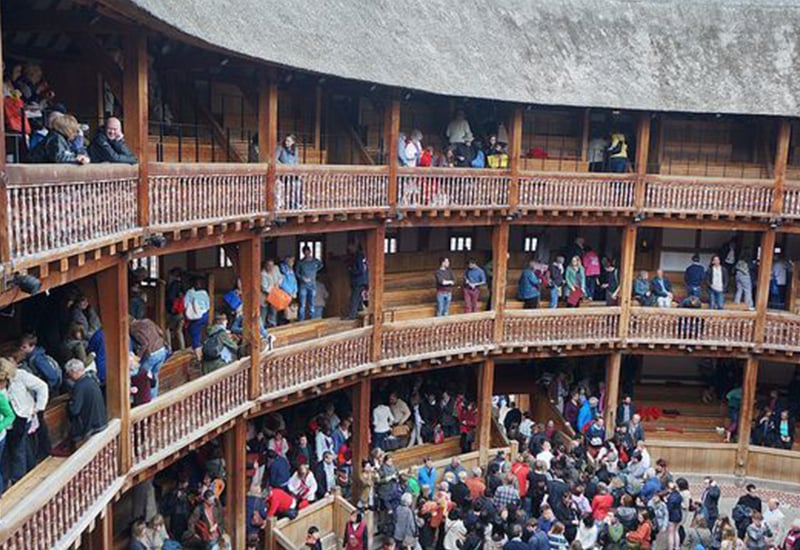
(528, 288)
(307, 270)
(475, 275)
(695, 275)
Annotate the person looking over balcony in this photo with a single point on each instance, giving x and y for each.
(151, 348)
(34, 359)
(496, 154)
(528, 288)
(219, 348)
(359, 279)
(618, 153)
(459, 131)
(287, 151)
(56, 147)
(196, 304)
(662, 289)
(694, 276)
(87, 409)
(7, 418)
(575, 282)
(474, 279)
(109, 144)
(717, 279)
(307, 269)
(271, 279)
(445, 280)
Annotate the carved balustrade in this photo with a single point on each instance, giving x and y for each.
(312, 189)
(671, 195)
(710, 328)
(413, 340)
(451, 188)
(579, 191)
(560, 327)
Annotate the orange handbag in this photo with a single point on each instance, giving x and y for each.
(279, 299)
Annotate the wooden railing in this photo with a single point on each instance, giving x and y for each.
(718, 197)
(782, 332)
(773, 464)
(695, 456)
(562, 327)
(176, 418)
(54, 514)
(558, 191)
(331, 189)
(296, 367)
(330, 515)
(54, 206)
(205, 192)
(791, 200)
(417, 339)
(724, 329)
(451, 188)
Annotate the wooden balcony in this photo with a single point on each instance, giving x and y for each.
(568, 328)
(177, 418)
(782, 333)
(452, 189)
(205, 193)
(731, 198)
(64, 208)
(584, 192)
(726, 330)
(54, 514)
(791, 201)
(309, 189)
(425, 338)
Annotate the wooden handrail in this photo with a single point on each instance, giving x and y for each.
(206, 168)
(586, 176)
(438, 321)
(321, 342)
(454, 172)
(330, 168)
(705, 180)
(44, 174)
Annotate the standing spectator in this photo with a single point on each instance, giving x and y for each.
(445, 280)
(175, 310)
(382, 420)
(34, 357)
(426, 476)
(774, 519)
(28, 397)
(109, 144)
(717, 278)
(307, 270)
(87, 409)
(206, 524)
(355, 533)
(528, 289)
(7, 418)
(694, 276)
(150, 347)
(325, 474)
(598, 146)
(289, 281)
(271, 278)
(591, 266)
(359, 279)
(662, 289)
(611, 283)
(675, 516)
(406, 530)
(219, 348)
(468, 420)
(757, 533)
(710, 501)
(321, 296)
(458, 131)
(556, 280)
(576, 282)
(781, 268)
(618, 153)
(744, 284)
(474, 279)
(625, 411)
(197, 304)
(303, 485)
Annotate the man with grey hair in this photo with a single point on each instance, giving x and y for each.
(87, 409)
(405, 523)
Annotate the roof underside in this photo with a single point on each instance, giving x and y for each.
(721, 56)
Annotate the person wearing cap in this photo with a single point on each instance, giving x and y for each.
(694, 276)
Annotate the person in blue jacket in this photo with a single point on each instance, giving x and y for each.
(426, 476)
(587, 413)
(694, 276)
(35, 360)
(528, 288)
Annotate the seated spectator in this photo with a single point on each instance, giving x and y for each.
(662, 289)
(477, 154)
(496, 154)
(109, 144)
(56, 148)
(87, 408)
(33, 358)
(641, 290)
(219, 348)
(150, 347)
(139, 540)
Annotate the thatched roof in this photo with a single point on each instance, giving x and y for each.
(713, 56)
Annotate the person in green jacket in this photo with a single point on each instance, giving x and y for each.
(575, 277)
(219, 348)
(7, 418)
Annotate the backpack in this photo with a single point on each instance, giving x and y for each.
(792, 540)
(212, 347)
(544, 277)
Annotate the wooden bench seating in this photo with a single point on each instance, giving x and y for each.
(415, 456)
(178, 369)
(302, 331)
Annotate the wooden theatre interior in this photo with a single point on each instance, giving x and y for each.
(198, 199)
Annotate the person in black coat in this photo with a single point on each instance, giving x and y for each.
(109, 145)
(325, 473)
(710, 501)
(513, 418)
(87, 409)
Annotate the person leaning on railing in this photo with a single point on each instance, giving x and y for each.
(109, 144)
(56, 147)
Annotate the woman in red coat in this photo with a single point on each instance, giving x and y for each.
(467, 419)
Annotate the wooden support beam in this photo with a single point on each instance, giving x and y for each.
(392, 134)
(515, 154)
(613, 368)
(361, 429)
(250, 275)
(781, 160)
(376, 260)
(762, 289)
(235, 442)
(749, 387)
(268, 130)
(627, 260)
(135, 113)
(317, 118)
(499, 278)
(485, 392)
(586, 129)
(5, 247)
(642, 153)
(112, 289)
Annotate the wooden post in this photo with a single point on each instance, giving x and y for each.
(515, 154)
(235, 507)
(392, 134)
(642, 152)
(102, 536)
(268, 131)
(499, 275)
(781, 160)
(377, 267)
(360, 430)
(112, 289)
(135, 111)
(5, 245)
(762, 289)
(587, 123)
(627, 260)
(250, 275)
(485, 392)
(749, 388)
(613, 368)
(318, 120)
(269, 539)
